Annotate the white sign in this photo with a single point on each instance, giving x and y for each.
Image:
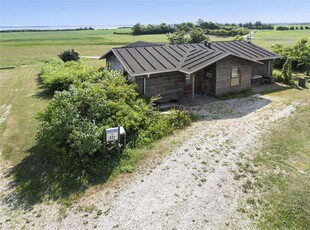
(112, 133)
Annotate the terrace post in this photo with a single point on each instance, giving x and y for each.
(193, 87)
(144, 85)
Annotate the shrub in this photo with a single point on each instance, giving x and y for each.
(299, 54)
(73, 123)
(59, 75)
(69, 55)
(197, 35)
(287, 71)
(277, 74)
(282, 28)
(160, 125)
(239, 38)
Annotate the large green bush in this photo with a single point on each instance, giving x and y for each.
(59, 75)
(299, 55)
(277, 74)
(73, 123)
(69, 55)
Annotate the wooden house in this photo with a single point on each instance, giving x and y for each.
(173, 71)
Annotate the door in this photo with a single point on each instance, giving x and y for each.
(188, 84)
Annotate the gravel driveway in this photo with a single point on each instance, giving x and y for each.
(193, 187)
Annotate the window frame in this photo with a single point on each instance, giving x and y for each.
(188, 79)
(231, 76)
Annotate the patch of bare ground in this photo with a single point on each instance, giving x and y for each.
(194, 186)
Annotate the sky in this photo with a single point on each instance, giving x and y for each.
(122, 12)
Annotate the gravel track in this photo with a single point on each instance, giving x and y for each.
(192, 188)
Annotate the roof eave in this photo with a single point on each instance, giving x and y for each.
(106, 54)
(270, 58)
(151, 73)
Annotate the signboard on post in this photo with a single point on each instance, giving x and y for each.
(111, 134)
(115, 134)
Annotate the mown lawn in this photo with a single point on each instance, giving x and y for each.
(281, 198)
(19, 90)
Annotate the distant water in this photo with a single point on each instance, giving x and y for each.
(61, 27)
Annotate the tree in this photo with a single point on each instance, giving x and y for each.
(180, 37)
(301, 54)
(185, 26)
(197, 35)
(239, 38)
(69, 55)
(287, 71)
(137, 29)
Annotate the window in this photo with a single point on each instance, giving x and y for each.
(235, 76)
(188, 79)
(108, 66)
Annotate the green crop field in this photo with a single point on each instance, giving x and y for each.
(266, 38)
(19, 48)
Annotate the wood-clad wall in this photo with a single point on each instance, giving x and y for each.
(223, 73)
(262, 70)
(171, 83)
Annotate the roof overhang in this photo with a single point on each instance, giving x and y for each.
(106, 54)
(273, 58)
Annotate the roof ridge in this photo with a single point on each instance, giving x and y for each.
(185, 57)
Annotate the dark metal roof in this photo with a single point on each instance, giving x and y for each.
(246, 49)
(143, 58)
(142, 44)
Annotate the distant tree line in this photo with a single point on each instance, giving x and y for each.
(210, 28)
(163, 28)
(293, 28)
(47, 30)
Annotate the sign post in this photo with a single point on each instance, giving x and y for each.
(115, 134)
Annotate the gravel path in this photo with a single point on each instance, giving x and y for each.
(192, 188)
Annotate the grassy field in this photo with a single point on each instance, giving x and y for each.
(266, 38)
(20, 48)
(282, 169)
(287, 200)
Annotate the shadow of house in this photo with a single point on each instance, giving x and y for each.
(230, 109)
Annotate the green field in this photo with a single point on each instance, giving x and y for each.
(20, 48)
(266, 38)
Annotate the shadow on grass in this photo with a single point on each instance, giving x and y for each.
(43, 93)
(271, 88)
(40, 176)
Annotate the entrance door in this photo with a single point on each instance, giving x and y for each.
(188, 85)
